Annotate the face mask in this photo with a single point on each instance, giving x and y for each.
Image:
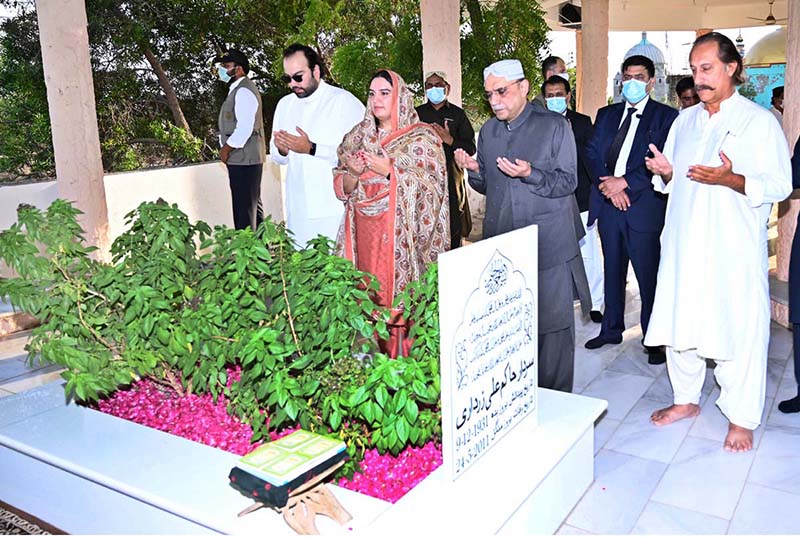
(634, 90)
(435, 95)
(223, 74)
(556, 104)
(564, 75)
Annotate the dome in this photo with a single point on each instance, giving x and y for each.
(769, 49)
(647, 49)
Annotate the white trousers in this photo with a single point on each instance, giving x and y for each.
(592, 261)
(742, 382)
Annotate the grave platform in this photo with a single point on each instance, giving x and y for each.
(91, 473)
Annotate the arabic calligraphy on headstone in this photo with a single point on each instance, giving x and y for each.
(494, 355)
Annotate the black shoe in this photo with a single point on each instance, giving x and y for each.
(596, 316)
(655, 355)
(790, 406)
(599, 341)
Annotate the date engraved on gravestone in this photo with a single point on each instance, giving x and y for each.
(493, 352)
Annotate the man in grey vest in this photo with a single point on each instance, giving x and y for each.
(241, 130)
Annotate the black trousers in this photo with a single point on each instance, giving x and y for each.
(796, 352)
(455, 210)
(622, 244)
(245, 182)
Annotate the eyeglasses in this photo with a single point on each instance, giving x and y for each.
(297, 78)
(500, 91)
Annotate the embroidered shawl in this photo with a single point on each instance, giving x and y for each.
(394, 227)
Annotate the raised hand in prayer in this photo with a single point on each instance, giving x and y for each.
(518, 168)
(719, 175)
(611, 185)
(379, 164)
(355, 165)
(443, 133)
(288, 142)
(658, 164)
(465, 161)
(621, 201)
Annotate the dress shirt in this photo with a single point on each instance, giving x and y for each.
(625, 151)
(245, 107)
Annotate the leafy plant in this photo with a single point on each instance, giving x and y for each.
(182, 305)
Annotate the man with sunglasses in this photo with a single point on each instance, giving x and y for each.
(307, 128)
(526, 167)
(241, 129)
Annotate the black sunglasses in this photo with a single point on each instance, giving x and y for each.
(500, 91)
(297, 78)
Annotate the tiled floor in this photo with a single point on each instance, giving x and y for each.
(648, 480)
(677, 479)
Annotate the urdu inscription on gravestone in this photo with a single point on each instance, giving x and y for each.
(489, 341)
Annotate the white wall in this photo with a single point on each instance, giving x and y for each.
(201, 191)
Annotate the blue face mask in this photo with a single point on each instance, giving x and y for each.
(223, 74)
(634, 90)
(435, 95)
(557, 104)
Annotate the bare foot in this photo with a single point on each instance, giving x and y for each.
(738, 439)
(665, 416)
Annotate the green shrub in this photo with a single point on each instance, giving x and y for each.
(301, 324)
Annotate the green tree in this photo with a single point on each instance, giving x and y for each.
(26, 145)
(495, 31)
(156, 89)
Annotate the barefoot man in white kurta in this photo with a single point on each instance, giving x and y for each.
(725, 162)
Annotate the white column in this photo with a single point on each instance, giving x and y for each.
(441, 42)
(791, 125)
(593, 65)
(73, 118)
(578, 83)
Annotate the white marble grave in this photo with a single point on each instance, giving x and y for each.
(86, 472)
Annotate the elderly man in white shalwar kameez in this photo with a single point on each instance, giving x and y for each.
(725, 162)
(308, 127)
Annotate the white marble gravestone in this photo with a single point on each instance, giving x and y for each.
(488, 323)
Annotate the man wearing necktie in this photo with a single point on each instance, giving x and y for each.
(629, 212)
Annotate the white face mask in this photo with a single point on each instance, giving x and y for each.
(556, 104)
(223, 74)
(435, 95)
(564, 75)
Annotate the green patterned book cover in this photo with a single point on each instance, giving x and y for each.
(284, 459)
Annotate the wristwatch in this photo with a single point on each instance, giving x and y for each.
(313, 149)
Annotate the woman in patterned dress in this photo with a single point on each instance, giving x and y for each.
(392, 177)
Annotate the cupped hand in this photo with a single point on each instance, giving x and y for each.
(465, 161)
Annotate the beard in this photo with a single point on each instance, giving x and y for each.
(308, 90)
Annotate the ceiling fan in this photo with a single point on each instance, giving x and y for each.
(770, 19)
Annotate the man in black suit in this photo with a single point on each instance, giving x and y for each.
(629, 212)
(793, 404)
(557, 95)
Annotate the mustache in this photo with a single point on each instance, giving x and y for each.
(699, 87)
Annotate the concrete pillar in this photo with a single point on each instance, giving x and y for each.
(441, 42)
(593, 66)
(577, 83)
(73, 118)
(787, 210)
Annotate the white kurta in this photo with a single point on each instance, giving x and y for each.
(712, 292)
(326, 116)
